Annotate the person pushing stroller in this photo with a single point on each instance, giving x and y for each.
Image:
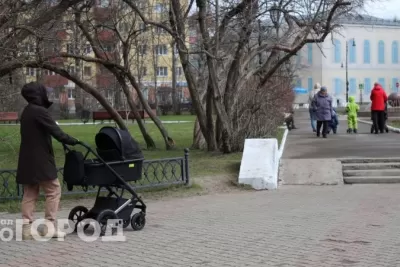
(386, 118)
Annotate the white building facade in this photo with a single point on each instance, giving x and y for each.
(374, 58)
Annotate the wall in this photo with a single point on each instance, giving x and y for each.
(325, 70)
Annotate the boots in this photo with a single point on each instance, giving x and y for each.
(51, 228)
(28, 233)
(355, 131)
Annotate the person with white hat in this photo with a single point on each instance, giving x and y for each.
(312, 93)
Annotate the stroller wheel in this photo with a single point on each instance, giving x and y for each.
(103, 221)
(126, 223)
(138, 221)
(76, 215)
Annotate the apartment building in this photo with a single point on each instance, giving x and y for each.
(151, 58)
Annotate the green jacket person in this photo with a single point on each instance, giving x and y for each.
(352, 108)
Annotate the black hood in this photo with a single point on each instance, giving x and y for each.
(36, 93)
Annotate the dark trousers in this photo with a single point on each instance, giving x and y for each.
(324, 125)
(378, 121)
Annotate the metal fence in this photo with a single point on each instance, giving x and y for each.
(155, 173)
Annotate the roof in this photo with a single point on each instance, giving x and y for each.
(369, 20)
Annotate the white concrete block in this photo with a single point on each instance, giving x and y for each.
(259, 166)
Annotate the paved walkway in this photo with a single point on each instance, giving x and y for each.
(302, 143)
(296, 226)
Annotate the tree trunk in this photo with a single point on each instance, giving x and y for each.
(169, 142)
(198, 139)
(147, 138)
(211, 141)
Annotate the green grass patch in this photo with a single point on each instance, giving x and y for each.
(394, 123)
(201, 163)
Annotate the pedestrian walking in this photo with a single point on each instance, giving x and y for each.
(36, 163)
(352, 109)
(312, 93)
(378, 101)
(322, 106)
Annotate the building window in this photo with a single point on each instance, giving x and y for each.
(367, 86)
(30, 72)
(352, 51)
(142, 49)
(87, 71)
(71, 69)
(381, 52)
(381, 81)
(30, 48)
(337, 86)
(142, 27)
(107, 48)
(179, 71)
(87, 49)
(367, 52)
(161, 50)
(394, 81)
(160, 30)
(162, 71)
(310, 84)
(104, 3)
(337, 49)
(50, 73)
(143, 71)
(298, 82)
(109, 94)
(70, 49)
(71, 94)
(352, 86)
(160, 8)
(395, 52)
(309, 53)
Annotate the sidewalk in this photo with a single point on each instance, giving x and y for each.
(295, 226)
(302, 142)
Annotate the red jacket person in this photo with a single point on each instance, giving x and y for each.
(378, 101)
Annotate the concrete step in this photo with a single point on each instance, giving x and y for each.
(371, 166)
(364, 173)
(372, 180)
(369, 160)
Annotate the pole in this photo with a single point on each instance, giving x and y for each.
(347, 74)
(259, 43)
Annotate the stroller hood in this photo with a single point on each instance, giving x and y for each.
(117, 144)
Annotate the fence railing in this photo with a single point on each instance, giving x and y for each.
(155, 173)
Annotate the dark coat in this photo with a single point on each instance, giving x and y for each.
(322, 105)
(36, 156)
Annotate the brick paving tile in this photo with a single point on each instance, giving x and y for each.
(299, 226)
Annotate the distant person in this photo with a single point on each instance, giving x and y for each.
(352, 109)
(322, 106)
(334, 123)
(312, 93)
(36, 164)
(378, 101)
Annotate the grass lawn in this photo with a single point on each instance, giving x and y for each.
(395, 124)
(201, 163)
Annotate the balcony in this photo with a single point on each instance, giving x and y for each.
(106, 35)
(54, 81)
(102, 13)
(105, 80)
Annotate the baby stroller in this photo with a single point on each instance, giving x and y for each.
(386, 118)
(118, 161)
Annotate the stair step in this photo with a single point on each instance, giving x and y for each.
(372, 180)
(369, 160)
(371, 166)
(387, 172)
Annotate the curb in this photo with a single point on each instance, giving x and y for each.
(391, 128)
